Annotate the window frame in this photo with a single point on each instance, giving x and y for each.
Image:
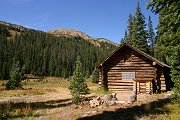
(128, 75)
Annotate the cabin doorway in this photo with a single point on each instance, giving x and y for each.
(154, 86)
(142, 87)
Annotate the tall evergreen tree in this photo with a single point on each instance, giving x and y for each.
(45, 62)
(16, 75)
(1, 54)
(140, 37)
(5, 71)
(122, 41)
(45, 54)
(169, 35)
(51, 66)
(125, 39)
(78, 85)
(95, 76)
(130, 29)
(151, 36)
(125, 36)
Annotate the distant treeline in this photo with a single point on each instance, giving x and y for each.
(43, 54)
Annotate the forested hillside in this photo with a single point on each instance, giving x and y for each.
(75, 33)
(45, 54)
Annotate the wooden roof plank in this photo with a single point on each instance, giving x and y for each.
(137, 50)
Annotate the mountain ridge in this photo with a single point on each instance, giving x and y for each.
(44, 54)
(58, 32)
(76, 33)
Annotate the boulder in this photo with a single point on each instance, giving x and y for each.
(132, 98)
(120, 102)
(94, 103)
(112, 102)
(107, 98)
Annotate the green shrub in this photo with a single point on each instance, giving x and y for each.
(3, 84)
(78, 85)
(13, 84)
(16, 75)
(95, 76)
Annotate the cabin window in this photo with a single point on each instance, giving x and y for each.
(128, 75)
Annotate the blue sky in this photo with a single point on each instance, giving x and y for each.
(97, 18)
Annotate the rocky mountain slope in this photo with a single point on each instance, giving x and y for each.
(13, 29)
(49, 55)
(18, 29)
(76, 33)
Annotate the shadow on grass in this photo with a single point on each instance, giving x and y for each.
(9, 109)
(27, 108)
(153, 108)
(36, 105)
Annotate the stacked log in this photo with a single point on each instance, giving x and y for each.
(130, 61)
(163, 84)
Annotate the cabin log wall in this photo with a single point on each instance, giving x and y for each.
(150, 73)
(131, 62)
(161, 80)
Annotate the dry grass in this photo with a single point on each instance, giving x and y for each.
(174, 109)
(40, 87)
(2, 84)
(19, 93)
(58, 106)
(34, 87)
(47, 82)
(170, 111)
(51, 89)
(10, 110)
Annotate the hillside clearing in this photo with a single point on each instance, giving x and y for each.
(48, 88)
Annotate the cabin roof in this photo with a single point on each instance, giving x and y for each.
(137, 50)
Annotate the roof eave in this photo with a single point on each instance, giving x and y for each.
(141, 52)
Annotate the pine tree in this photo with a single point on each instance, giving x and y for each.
(174, 60)
(4, 67)
(140, 38)
(130, 29)
(16, 76)
(168, 41)
(137, 35)
(1, 54)
(125, 36)
(151, 36)
(134, 36)
(45, 62)
(44, 54)
(78, 85)
(125, 39)
(51, 67)
(95, 76)
(5, 71)
(122, 41)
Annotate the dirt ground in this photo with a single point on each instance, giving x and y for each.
(57, 105)
(62, 109)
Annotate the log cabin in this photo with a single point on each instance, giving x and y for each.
(129, 69)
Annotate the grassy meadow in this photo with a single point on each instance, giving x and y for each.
(49, 98)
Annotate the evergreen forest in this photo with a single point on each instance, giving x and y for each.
(43, 54)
